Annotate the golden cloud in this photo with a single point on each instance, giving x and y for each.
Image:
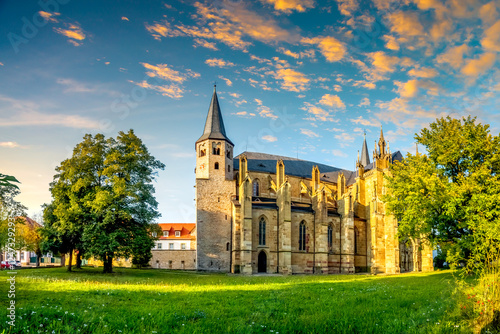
(331, 48)
(423, 72)
(287, 6)
(217, 62)
(491, 39)
(453, 56)
(476, 67)
(173, 90)
(226, 80)
(291, 79)
(49, 17)
(332, 101)
(205, 44)
(316, 112)
(164, 72)
(288, 53)
(347, 7)
(405, 24)
(488, 13)
(391, 42)
(74, 33)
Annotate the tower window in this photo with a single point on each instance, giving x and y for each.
(216, 166)
(228, 153)
(262, 232)
(302, 236)
(228, 168)
(215, 148)
(203, 152)
(227, 246)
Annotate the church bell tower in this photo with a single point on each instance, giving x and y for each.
(214, 187)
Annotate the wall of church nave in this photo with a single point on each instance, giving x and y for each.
(360, 246)
(269, 261)
(173, 259)
(267, 219)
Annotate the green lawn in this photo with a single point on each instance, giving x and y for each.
(161, 301)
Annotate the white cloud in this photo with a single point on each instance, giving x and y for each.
(15, 112)
(362, 121)
(10, 144)
(309, 133)
(269, 138)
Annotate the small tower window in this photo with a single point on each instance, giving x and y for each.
(227, 246)
(256, 191)
(215, 148)
(203, 152)
(216, 165)
(228, 168)
(228, 154)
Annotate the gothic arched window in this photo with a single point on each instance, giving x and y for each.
(302, 236)
(256, 188)
(262, 232)
(330, 237)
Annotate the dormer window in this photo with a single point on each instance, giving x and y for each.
(177, 233)
(165, 233)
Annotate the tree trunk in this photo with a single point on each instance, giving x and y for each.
(63, 259)
(70, 260)
(108, 264)
(79, 260)
(37, 260)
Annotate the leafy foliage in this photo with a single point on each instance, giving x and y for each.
(8, 181)
(451, 196)
(103, 198)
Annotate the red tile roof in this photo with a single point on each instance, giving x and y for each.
(186, 231)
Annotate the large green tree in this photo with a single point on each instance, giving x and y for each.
(103, 197)
(451, 195)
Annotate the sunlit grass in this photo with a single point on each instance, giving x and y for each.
(161, 301)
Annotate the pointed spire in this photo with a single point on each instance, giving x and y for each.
(381, 142)
(214, 125)
(365, 158)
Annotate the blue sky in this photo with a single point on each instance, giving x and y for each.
(295, 77)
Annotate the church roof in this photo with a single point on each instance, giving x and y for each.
(262, 162)
(266, 163)
(214, 125)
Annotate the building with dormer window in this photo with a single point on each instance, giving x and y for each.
(175, 247)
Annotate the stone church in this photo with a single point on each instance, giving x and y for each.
(262, 213)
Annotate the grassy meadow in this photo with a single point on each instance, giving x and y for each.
(160, 301)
